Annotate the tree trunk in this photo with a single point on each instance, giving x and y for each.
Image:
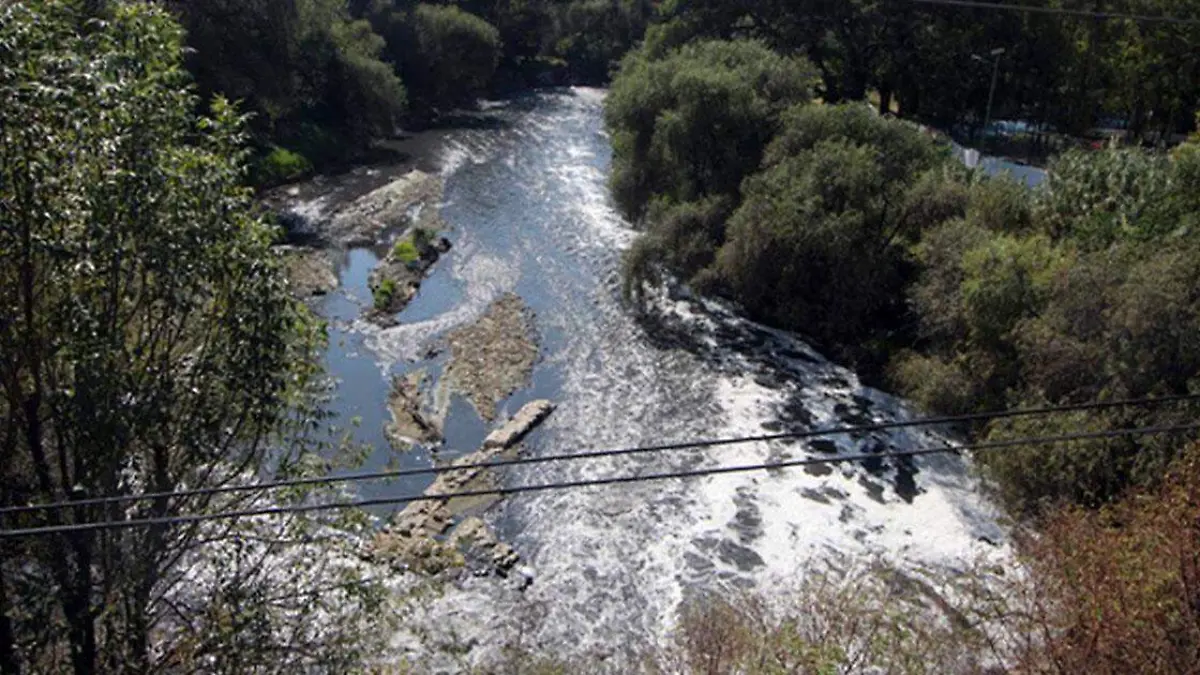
(77, 606)
(885, 99)
(9, 665)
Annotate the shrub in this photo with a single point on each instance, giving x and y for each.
(406, 251)
(1099, 198)
(280, 165)
(817, 244)
(447, 55)
(422, 237)
(1119, 590)
(384, 294)
(865, 620)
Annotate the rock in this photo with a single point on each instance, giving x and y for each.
(523, 578)
(310, 271)
(361, 222)
(492, 357)
(409, 422)
(412, 538)
(521, 424)
(404, 278)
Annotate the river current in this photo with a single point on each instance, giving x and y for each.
(529, 213)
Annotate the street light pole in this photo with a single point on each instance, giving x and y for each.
(987, 119)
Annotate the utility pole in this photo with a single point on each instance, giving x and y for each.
(997, 52)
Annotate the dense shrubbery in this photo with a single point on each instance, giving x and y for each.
(693, 124)
(325, 77)
(294, 64)
(801, 213)
(919, 59)
(819, 241)
(1084, 289)
(280, 165)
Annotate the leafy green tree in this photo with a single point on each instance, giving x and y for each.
(591, 36)
(1114, 195)
(311, 74)
(148, 343)
(447, 56)
(819, 243)
(694, 123)
(1082, 290)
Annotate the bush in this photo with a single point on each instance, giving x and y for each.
(865, 620)
(422, 237)
(384, 294)
(447, 56)
(1029, 300)
(406, 251)
(1119, 590)
(1099, 198)
(280, 165)
(817, 244)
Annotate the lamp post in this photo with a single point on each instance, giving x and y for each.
(997, 52)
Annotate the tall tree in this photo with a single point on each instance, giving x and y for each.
(148, 342)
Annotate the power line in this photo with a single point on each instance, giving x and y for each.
(595, 454)
(1080, 13)
(567, 485)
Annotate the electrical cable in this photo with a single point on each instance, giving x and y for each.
(564, 485)
(1079, 13)
(665, 447)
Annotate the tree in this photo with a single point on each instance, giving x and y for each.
(311, 74)
(447, 56)
(694, 123)
(148, 343)
(819, 243)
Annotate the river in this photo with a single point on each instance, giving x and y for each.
(526, 199)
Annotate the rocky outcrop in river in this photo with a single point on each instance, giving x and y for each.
(407, 201)
(493, 357)
(432, 536)
(310, 270)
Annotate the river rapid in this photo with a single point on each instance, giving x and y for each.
(605, 569)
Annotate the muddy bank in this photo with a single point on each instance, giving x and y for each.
(493, 357)
(437, 535)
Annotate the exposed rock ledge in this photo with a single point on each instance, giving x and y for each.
(310, 270)
(424, 536)
(410, 424)
(395, 282)
(412, 197)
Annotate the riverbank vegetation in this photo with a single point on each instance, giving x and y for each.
(149, 344)
(324, 78)
(933, 62)
(964, 292)
(148, 341)
(967, 293)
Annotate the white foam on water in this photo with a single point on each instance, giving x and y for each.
(943, 524)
